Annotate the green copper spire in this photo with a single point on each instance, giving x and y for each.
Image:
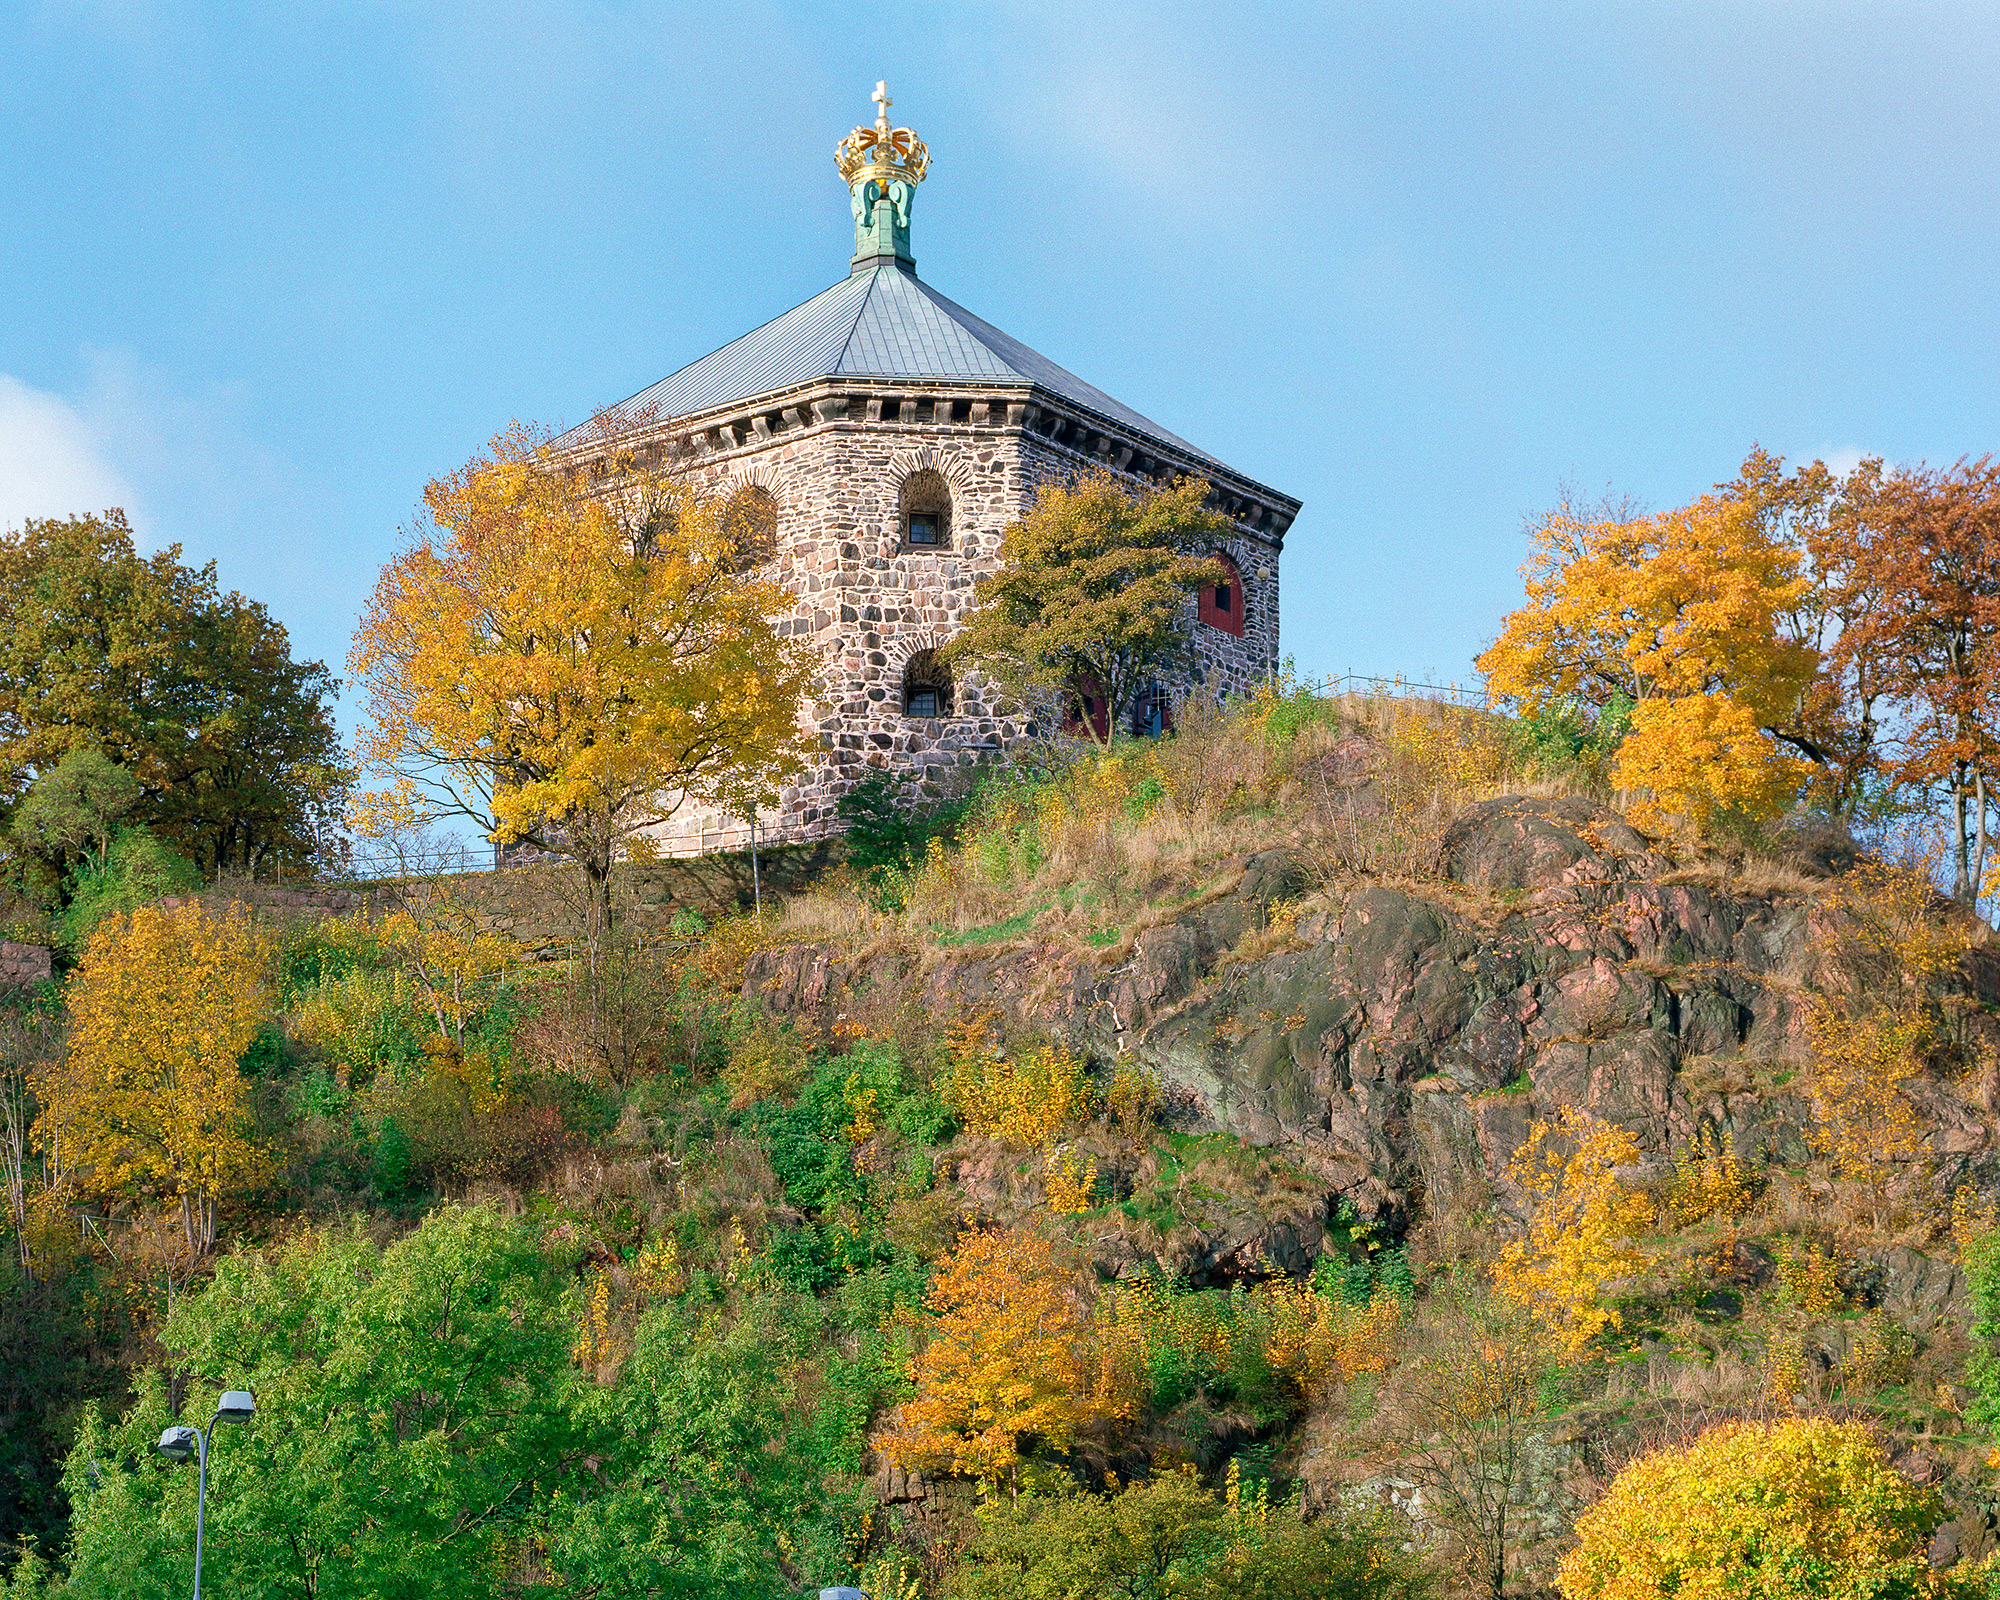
(882, 166)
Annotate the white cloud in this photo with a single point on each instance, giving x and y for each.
(53, 459)
(1844, 460)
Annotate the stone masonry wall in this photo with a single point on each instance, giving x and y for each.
(22, 966)
(869, 603)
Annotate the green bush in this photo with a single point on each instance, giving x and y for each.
(390, 1166)
(1168, 1538)
(810, 1143)
(137, 870)
(1569, 736)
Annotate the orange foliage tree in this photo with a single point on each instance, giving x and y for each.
(1013, 1355)
(1838, 724)
(567, 659)
(1678, 613)
(149, 1095)
(1927, 553)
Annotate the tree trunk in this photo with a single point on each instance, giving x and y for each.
(1979, 800)
(596, 867)
(1961, 856)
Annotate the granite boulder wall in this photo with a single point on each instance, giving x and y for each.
(1398, 1042)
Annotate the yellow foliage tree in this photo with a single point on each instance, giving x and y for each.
(1805, 1510)
(566, 659)
(1884, 939)
(1583, 1222)
(453, 959)
(1316, 1340)
(1680, 614)
(1698, 757)
(1709, 1178)
(149, 1096)
(1013, 1354)
(1028, 1098)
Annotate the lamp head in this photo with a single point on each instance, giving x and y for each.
(236, 1405)
(178, 1443)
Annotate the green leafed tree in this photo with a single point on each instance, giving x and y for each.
(72, 810)
(705, 1465)
(1091, 593)
(193, 692)
(422, 1429)
(413, 1422)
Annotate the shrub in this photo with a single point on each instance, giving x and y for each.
(137, 870)
(1028, 1098)
(888, 830)
(363, 1021)
(1166, 1538)
(1805, 1510)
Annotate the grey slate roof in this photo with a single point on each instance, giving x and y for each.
(880, 323)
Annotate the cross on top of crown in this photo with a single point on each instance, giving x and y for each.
(882, 151)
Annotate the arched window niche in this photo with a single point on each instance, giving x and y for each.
(1221, 604)
(927, 686)
(750, 522)
(924, 515)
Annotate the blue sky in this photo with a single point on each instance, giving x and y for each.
(265, 269)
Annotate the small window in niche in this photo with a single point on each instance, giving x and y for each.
(926, 686)
(1223, 598)
(750, 522)
(926, 511)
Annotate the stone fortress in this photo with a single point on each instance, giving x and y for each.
(878, 439)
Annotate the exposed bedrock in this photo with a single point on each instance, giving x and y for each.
(1400, 1044)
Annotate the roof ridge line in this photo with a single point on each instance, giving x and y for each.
(955, 314)
(860, 311)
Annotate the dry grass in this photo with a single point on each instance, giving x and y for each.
(832, 912)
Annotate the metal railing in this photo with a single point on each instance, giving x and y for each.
(445, 863)
(1399, 688)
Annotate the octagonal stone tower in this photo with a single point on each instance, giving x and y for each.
(886, 436)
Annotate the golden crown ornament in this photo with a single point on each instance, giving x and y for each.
(882, 152)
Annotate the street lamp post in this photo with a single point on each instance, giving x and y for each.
(180, 1441)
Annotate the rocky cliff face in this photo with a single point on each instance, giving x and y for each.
(1397, 1044)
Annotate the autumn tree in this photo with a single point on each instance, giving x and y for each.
(1581, 1225)
(1927, 553)
(149, 1096)
(191, 690)
(1089, 596)
(1012, 1356)
(1677, 613)
(1881, 942)
(1842, 719)
(566, 659)
(1796, 1510)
